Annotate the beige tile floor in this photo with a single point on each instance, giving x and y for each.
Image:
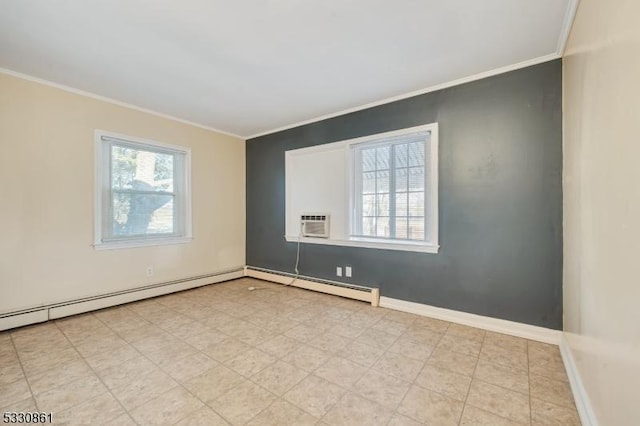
(222, 355)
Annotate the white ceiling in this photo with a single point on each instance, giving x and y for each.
(249, 67)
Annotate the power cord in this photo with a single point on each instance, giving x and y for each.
(297, 259)
(295, 268)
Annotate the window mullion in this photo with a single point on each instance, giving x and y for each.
(392, 191)
(359, 191)
(108, 194)
(376, 211)
(426, 197)
(143, 192)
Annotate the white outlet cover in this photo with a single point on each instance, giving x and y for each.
(339, 271)
(347, 271)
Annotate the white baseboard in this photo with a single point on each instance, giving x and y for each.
(365, 294)
(73, 307)
(511, 328)
(583, 404)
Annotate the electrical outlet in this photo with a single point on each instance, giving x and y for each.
(347, 271)
(339, 271)
(149, 271)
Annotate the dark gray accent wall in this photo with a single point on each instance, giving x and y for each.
(500, 199)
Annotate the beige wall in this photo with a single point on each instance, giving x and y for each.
(46, 191)
(602, 205)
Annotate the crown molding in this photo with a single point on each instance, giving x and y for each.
(113, 101)
(429, 89)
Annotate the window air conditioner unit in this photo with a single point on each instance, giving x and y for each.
(315, 225)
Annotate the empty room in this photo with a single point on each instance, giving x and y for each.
(320, 213)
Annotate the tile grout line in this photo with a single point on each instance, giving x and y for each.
(321, 419)
(93, 371)
(312, 372)
(371, 368)
(127, 344)
(367, 371)
(24, 373)
(278, 397)
(420, 372)
(502, 387)
(422, 369)
(475, 367)
(473, 378)
(529, 383)
(100, 378)
(157, 366)
(145, 356)
(257, 306)
(221, 363)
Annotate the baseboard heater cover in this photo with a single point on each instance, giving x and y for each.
(351, 291)
(77, 306)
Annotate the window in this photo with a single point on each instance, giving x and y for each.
(142, 192)
(381, 190)
(394, 189)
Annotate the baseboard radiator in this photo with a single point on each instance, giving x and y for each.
(77, 306)
(365, 294)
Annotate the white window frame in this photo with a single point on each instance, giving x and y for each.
(342, 234)
(102, 193)
(431, 242)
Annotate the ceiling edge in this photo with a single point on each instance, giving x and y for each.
(113, 101)
(567, 23)
(441, 86)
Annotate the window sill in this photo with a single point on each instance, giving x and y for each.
(368, 243)
(112, 245)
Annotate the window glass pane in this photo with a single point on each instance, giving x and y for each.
(401, 227)
(392, 198)
(383, 205)
(416, 229)
(416, 179)
(416, 204)
(416, 154)
(163, 172)
(368, 205)
(383, 181)
(123, 167)
(382, 227)
(401, 204)
(368, 159)
(140, 214)
(141, 170)
(401, 179)
(369, 226)
(162, 220)
(382, 157)
(401, 155)
(369, 183)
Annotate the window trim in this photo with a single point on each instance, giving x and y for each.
(344, 146)
(399, 245)
(102, 189)
(355, 224)
(431, 242)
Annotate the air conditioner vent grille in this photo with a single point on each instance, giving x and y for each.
(315, 225)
